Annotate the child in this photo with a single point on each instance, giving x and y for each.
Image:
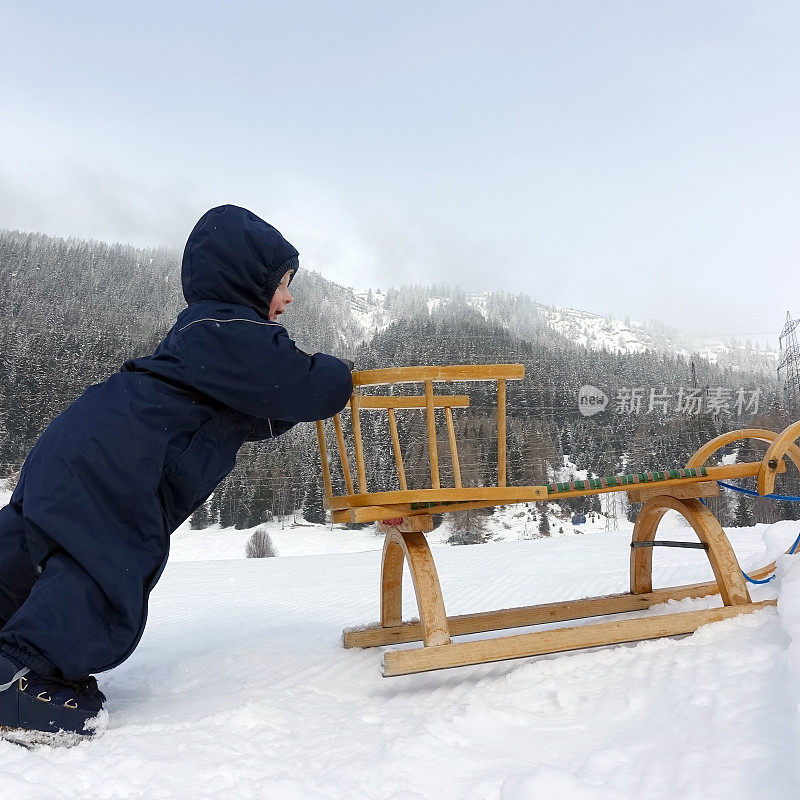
(85, 536)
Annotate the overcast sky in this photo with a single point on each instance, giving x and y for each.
(632, 158)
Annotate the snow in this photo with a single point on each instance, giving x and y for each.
(596, 332)
(434, 303)
(293, 540)
(789, 610)
(292, 536)
(368, 309)
(585, 328)
(617, 336)
(240, 687)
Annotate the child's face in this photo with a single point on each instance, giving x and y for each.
(281, 298)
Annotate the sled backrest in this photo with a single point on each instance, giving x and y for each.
(393, 403)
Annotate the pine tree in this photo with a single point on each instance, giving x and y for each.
(313, 508)
(259, 502)
(214, 507)
(544, 524)
(743, 517)
(200, 519)
(790, 509)
(469, 527)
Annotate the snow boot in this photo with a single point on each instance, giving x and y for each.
(47, 710)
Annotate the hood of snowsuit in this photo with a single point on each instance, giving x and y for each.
(233, 256)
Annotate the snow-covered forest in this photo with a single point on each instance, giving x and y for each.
(73, 311)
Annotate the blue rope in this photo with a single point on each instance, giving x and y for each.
(750, 492)
(771, 497)
(767, 580)
(753, 580)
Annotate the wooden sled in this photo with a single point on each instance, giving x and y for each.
(404, 516)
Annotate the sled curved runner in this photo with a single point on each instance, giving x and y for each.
(404, 515)
(412, 547)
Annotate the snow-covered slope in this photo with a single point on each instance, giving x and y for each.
(604, 333)
(240, 689)
(369, 310)
(596, 332)
(624, 336)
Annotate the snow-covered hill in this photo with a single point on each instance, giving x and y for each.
(598, 333)
(584, 328)
(240, 690)
(623, 336)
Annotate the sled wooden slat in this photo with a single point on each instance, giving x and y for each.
(433, 450)
(375, 513)
(358, 443)
(451, 435)
(465, 372)
(499, 494)
(526, 616)
(348, 477)
(398, 453)
(690, 490)
(372, 401)
(747, 469)
(501, 432)
(323, 455)
(459, 654)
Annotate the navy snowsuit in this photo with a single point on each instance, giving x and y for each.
(86, 534)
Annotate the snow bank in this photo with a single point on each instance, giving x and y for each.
(789, 609)
(240, 689)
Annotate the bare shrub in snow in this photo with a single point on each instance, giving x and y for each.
(468, 527)
(259, 545)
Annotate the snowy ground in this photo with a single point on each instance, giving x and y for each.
(240, 688)
(293, 536)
